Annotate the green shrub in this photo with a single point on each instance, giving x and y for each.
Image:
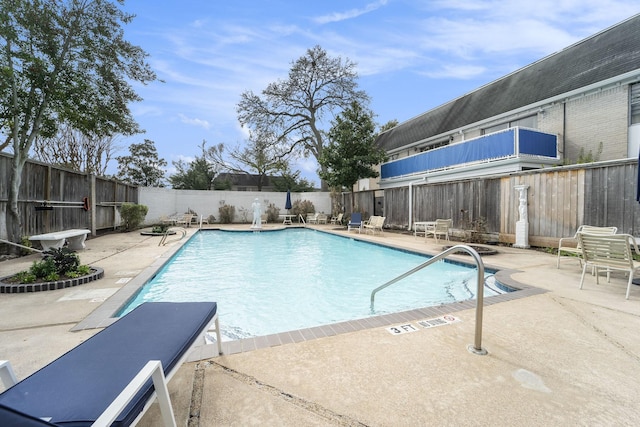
(43, 268)
(25, 242)
(132, 215)
(26, 277)
(302, 207)
(272, 213)
(160, 228)
(56, 263)
(227, 214)
(51, 277)
(83, 269)
(64, 259)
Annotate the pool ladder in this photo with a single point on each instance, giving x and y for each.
(476, 347)
(163, 241)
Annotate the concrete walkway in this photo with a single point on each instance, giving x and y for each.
(562, 357)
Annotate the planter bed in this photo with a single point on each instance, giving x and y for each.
(17, 288)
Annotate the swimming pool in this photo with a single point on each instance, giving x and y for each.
(270, 282)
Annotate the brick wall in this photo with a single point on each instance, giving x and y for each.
(601, 117)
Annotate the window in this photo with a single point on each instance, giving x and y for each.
(527, 122)
(634, 104)
(495, 128)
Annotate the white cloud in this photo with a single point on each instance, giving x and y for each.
(196, 122)
(455, 71)
(350, 14)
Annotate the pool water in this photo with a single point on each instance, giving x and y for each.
(276, 281)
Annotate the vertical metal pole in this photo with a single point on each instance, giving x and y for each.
(92, 201)
(476, 348)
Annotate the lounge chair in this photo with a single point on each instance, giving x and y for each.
(185, 220)
(374, 223)
(171, 220)
(337, 219)
(608, 252)
(312, 218)
(577, 250)
(106, 379)
(440, 228)
(355, 222)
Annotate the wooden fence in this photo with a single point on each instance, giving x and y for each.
(559, 201)
(51, 199)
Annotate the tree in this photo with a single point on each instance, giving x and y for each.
(263, 155)
(293, 109)
(390, 124)
(199, 173)
(75, 150)
(143, 166)
(63, 62)
(352, 152)
(291, 181)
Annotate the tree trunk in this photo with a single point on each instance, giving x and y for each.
(14, 223)
(323, 184)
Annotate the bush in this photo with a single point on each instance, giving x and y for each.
(25, 277)
(56, 263)
(132, 215)
(160, 228)
(272, 213)
(64, 260)
(25, 242)
(42, 269)
(227, 214)
(302, 207)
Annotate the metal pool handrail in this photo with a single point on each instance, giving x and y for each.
(163, 240)
(476, 347)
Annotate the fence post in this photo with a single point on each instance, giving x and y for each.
(92, 201)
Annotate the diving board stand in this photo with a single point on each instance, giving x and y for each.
(112, 378)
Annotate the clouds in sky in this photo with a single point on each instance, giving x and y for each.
(412, 55)
(349, 14)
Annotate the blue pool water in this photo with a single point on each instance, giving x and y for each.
(270, 282)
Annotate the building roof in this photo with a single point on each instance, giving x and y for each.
(605, 55)
(242, 179)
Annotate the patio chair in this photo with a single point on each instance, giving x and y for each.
(355, 222)
(440, 228)
(185, 219)
(608, 252)
(570, 245)
(337, 219)
(375, 223)
(171, 220)
(321, 218)
(420, 227)
(110, 378)
(312, 218)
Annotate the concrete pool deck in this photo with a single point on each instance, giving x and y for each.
(562, 357)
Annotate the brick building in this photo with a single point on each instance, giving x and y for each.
(579, 104)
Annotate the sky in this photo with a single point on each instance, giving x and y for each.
(411, 55)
